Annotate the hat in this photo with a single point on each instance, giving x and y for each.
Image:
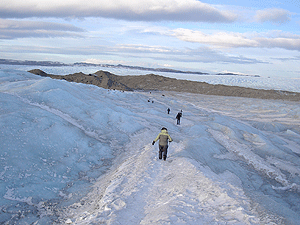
(164, 128)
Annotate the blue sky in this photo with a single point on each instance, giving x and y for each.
(248, 37)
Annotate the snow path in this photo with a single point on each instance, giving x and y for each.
(146, 190)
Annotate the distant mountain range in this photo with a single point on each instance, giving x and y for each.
(51, 63)
(33, 63)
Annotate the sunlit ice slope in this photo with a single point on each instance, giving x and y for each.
(75, 153)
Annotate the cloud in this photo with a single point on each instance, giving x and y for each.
(208, 55)
(103, 61)
(237, 40)
(273, 15)
(157, 53)
(221, 39)
(295, 58)
(146, 10)
(11, 29)
(280, 42)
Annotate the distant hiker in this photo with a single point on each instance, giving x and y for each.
(179, 115)
(164, 138)
(168, 110)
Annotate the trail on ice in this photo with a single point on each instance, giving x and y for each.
(145, 190)
(141, 189)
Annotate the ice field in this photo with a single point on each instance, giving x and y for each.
(78, 154)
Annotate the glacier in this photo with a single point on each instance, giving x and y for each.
(79, 154)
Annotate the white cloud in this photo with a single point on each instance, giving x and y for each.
(142, 48)
(156, 53)
(146, 10)
(11, 29)
(273, 15)
(103, 61)
(204, 54)
(221, 39)
(280, 42)
(284, 59)
(235, 40)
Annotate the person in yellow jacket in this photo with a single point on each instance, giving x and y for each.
(163, 138)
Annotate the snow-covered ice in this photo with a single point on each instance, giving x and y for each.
(78, 154)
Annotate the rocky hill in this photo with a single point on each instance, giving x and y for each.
(153, 82)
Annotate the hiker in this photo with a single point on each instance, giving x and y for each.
(179, 115)
(164, 138)
(168, 110)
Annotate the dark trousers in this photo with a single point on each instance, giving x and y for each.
(163, 150)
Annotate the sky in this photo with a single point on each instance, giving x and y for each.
(248, 37)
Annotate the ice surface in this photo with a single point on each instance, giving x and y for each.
(78, 154)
